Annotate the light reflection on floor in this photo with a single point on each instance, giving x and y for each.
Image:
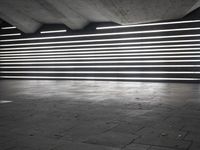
(4, 101)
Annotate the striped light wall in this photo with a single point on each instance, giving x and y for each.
(164, 51)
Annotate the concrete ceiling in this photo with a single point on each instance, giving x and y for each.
(29, 15)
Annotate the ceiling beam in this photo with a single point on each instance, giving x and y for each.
(141, 11)
(17, 18)
(195, 6)
(64, 13)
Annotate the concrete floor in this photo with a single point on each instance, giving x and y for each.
(98, 115)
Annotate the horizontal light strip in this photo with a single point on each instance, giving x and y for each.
(12, 34)
(102, 48)
(106, 72)
(101, 40)
(148, 24)
(134, 52)
(101, 34)
(111, 44)
(53, 31)
(101, 78)
(101, 58)
(141, 55)
(7, 28)
(99, 62)
(103, 66)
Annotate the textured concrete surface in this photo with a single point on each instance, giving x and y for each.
(98, 115)
(28, 15)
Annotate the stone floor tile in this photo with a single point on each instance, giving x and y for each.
(85, 130)
(137, 147)
(81, 146)
(195, 146)
(164, 142)
(129, 128)
(161, 148)
(192, 136)
(49, 129)
(43, 114)
(113, 139)
(32, 142)
(162, 137)
(162, 132)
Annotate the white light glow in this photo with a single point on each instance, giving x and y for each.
(101, 78)
(153, 55)
(148, 24)
(11, 34)
(7, 28)
(103, 66)
(53, 31)
(99, 50)
(101, 34)
(106, 72)
(102, 58)
(99, 62)
(4, 101)
(101, 40)
(133, 52)
(111, 44)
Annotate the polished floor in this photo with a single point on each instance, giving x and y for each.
(98, 115)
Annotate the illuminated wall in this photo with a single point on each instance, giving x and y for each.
(158, 51)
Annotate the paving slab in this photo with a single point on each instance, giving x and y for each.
(32, 142)
(195, 146)
(83, 130)
(192, 136)
(113, 139)
(161, 148)
(127, 128)
(46, 114)
(163, 137)
(137, 147)
(81, 146)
